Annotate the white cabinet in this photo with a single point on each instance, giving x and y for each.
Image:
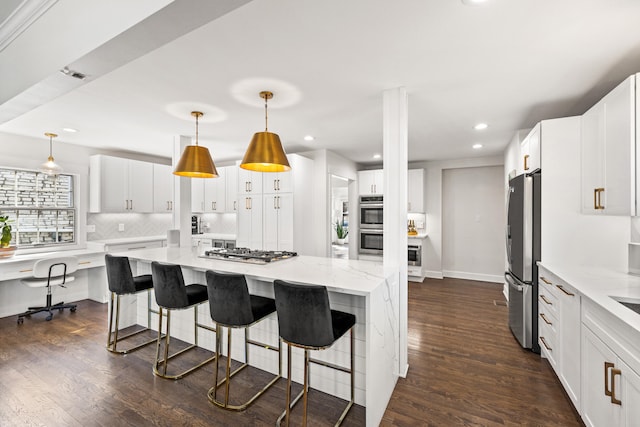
(415, 190)
(608, 147)
(559, 325)
(215, 193)
(249, 222)
(120, 185)
(278, 222)
(231, 175)
(277, 182)
(371, 182)
(249, 182)
(530, 151)
(162, 188)
(197, 194)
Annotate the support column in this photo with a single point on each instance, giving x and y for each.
(181, 194)
(395, 154)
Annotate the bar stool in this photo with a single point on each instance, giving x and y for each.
(232, 306)
(172, 294)
(122, 282)
(306, 320)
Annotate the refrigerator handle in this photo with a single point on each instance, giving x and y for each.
(507, 230)
(512, 282)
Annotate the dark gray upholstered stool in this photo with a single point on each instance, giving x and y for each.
(172, 294)
(122, 282)
(306, 321)
(232, 306)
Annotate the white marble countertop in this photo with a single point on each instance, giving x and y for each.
(354, 277)
(600, 285)
(216, 236)
(18, 257)
(124, 240)
(420, 235)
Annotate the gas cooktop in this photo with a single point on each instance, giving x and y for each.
(247, 255)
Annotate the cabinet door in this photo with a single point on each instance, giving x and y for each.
(249, 182)
(532, 162)
(113, 184)
(215, 193)
(285, 222)
(597, 409)
(569, 341)
(140, 186)
(197, 195)
(231, 173)
(249, 223)
(277, 182)
(629, 395)
(608, 153)
(415, 190)
(365, 183)
(270, 222)
(378, 181)
(162, 188)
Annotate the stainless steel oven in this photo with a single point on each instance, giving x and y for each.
(371, 241)
(371, 212)
(415, 255)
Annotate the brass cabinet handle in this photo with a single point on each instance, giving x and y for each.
(566, 292)
(25, 271)
(278, 202)
(250, 185)
(545, 344)
(234, 205)
(545, 280)
(545, 319)
(545, 299)
(274, 202)
(278, 185)
(607, 365)
(526, 166)
(250, 203)
(275, 187)
(84, 262)
(597, 198)
(615, 372)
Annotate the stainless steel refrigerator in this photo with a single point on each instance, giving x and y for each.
(523, 251)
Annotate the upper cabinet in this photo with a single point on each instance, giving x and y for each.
(370, 182)
(415, 191)
(231, 181)
(162, 188)
(249, 182)
(530, 151)
(276, 182)
(120, 185)
(608, 157)
(216, 195)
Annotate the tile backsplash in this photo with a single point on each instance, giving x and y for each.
(135, 225)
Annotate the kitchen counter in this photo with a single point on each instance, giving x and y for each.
(420, 235)
(215, 236)
(125, 240)
(599, 285)
(354, 286)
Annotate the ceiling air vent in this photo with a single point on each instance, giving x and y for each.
(72, 73)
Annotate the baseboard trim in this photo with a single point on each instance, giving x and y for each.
(433, 274)
(474, 276)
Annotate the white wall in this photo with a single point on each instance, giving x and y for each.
(473, 223)
(432, 245)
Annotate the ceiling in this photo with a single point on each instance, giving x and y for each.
(509, 63)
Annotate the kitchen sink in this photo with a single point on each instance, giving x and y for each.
(632, 304)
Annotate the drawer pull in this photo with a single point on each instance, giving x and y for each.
(545, 280)
(607, 365)
(543, 298)
(84, 262)
(545, 344)
(137, 247)
(566, 292)
(615, 372)
(25, 271)
(545, 319)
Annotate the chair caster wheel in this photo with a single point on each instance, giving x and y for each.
(73, 309)
(20, 320)
(49, 317)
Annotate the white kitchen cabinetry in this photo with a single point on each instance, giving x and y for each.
(120, 185)
(162, 188)
(277, 182)
(197, 194)
(610, 380)
(231, 174)
(559, 325)
(249, 182)
(530, 151)
(215, 193)
(608, 157)
(278, 222)
(415, 190)
(371, 182)
(249, 222)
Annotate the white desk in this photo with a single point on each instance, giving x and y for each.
(355, 286)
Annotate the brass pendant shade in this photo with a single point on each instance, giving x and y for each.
(265, 152)
(196, 161)
(50, 167)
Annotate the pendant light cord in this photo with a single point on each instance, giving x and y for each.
(197, 115)
(266, 115)
(50, 146)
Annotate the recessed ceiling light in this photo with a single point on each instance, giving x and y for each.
(481, 126)
(309, 138)
(70, 130)
(477, 146)
(377, 156)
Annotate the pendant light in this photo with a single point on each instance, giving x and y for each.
(265, 153)
(196, 161)
(50, 167)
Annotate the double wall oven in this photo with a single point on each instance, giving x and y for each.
(371, 220)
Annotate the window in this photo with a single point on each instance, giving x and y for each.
(41, 207)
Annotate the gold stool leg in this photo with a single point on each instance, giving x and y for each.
(218, 348)
(305, 388)
(226, 397)
(166, 343)
(288, 384)
(110, 321)
(159, 339)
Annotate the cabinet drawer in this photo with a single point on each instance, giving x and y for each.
(548, 341)
(547, 298)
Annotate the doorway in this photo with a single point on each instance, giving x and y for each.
(339, 224)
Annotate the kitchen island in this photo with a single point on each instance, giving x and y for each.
(354, 286)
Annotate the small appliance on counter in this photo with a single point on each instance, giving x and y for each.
(411, 231)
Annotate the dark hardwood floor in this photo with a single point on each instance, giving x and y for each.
(465, 369)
